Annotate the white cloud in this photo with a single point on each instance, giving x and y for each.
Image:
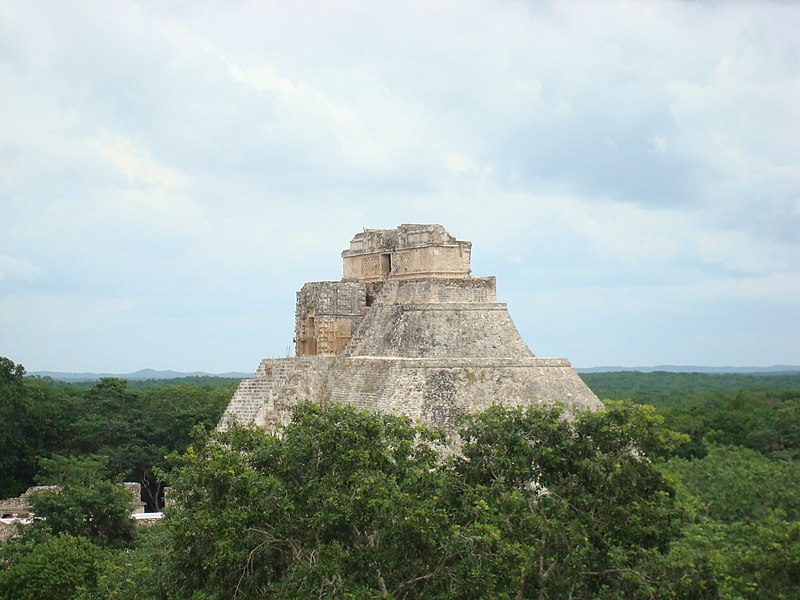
(18, 269)
(459, 163)
(206, 160)
(137, 165)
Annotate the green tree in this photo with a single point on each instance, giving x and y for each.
(345, 503)
(9, 371)
(40, 566)
(134, 429)
(761, 412)
(79, 538)
(746, 520)
(753, 560)
(341, 502)
(552, 508)
(16, 459)
(88, 504)
(760, 559)
(137, 573)
(738, 484)
(172, 412)
(34, 420)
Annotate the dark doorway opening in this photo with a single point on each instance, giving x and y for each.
(386, 264)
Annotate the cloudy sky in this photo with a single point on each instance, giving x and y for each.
(172, 172)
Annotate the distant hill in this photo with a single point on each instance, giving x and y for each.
(694, 369)
(142, 374)
(145, 374)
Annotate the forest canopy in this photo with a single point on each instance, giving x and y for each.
(685, 486)
(134, 428)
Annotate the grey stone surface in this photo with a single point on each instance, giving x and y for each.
(429, 347)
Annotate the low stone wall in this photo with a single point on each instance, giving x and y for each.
(21, 505)
(16, 513)
(11, 527)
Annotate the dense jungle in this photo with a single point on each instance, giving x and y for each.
(684, 486)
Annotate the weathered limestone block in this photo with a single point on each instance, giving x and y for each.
(436, 291)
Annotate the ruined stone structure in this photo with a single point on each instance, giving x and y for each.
(20, 507)
(18, 511)
(406, 331)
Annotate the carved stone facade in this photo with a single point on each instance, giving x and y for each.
(327, 314)
(407, 331)
(408, 252)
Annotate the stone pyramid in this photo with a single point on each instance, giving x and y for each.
(406, 331)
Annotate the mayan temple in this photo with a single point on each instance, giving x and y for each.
(406, 331)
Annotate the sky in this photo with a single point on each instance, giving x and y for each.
(171, 173)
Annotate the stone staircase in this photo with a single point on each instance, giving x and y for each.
(252, 395)
(278, 384)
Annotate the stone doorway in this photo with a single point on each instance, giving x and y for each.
(386, 264)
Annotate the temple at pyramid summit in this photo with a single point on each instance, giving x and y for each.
(406, 331)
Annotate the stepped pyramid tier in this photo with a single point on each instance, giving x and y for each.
(406, 331)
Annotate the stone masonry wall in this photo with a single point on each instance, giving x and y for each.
(427, 291)
(407, 252)
(438, 318)
(469, 330)
(326, 315)
(437, 391)
(278, 384)
(432, 390)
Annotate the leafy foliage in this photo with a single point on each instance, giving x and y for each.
(134, 429)
(9, 371)
(351, 504)
(34, 419)
(662, 388)
(40, 566)
(289, 516)
(738, 475)
(750, 559)
(755, 411)
(88, 503)
(738, 484)
(78, 536)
